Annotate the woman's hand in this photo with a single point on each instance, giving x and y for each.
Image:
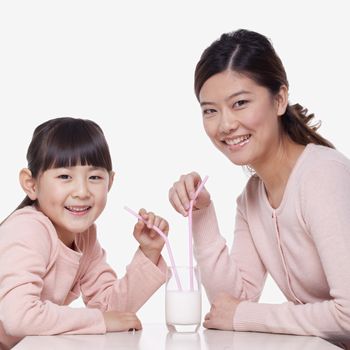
(121, 321)
(151, 243)
(221, 313)
(183, 191)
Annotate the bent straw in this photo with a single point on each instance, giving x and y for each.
(190, 236)
(163, 235)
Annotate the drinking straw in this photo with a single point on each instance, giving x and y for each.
(164, 236)
(190, 236)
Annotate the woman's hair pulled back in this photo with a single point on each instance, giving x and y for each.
(252, 54)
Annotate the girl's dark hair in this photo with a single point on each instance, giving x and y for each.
(64, 142)
(252, 54)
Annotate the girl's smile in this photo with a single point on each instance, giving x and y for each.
(78, 211)
(72, 197)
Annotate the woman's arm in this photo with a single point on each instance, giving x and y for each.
(325, 204)
(240, 273)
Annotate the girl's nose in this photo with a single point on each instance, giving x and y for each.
(228, 122)
(81, 189)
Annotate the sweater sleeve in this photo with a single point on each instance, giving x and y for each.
(240, 272)
(325, 204)
(26, 249)
(103, 290)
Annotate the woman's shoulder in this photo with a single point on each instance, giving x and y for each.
(317, 154)
(323, 160)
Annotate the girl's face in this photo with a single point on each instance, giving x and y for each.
(241, 117)
(73, 197)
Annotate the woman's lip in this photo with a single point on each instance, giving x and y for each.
(238, 146)
(235, 140)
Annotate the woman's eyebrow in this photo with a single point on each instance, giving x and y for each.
(235, 94)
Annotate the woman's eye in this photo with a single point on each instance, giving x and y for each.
(240, 103)
(208, 112)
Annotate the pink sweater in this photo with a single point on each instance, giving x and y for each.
(40, 276)
(304, 245)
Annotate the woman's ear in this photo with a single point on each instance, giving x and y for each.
(111, 179)
(282, 100)
(28, 183)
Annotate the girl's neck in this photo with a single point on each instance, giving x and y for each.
(67, 238)
(275, 171)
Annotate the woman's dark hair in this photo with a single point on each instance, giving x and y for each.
(252, 54)
(65, 142)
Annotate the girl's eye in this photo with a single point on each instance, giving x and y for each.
(95, 177)
(240, 103)
(63, 177)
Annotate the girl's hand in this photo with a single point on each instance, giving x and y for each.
(221, 313)
(151, 243)
(121, 321)
(184, 190)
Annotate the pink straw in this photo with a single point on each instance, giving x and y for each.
(164, 236)
(190, 236)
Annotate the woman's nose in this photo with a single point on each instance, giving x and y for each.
(228, 122)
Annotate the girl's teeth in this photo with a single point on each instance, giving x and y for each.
(77, 209)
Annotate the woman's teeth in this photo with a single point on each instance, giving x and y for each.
(237, 140)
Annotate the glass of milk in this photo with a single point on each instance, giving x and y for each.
(183, 306)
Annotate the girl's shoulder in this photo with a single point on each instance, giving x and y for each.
(29, 226)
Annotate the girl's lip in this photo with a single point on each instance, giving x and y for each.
(78, 210)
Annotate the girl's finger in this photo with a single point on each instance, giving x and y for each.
(150, 221)
(157, 221)
(143, 213)
(139, 226)
(164, 226)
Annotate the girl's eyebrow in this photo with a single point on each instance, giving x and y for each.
(93, 167)
(235, 94)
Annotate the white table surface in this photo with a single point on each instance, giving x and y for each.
(157, 336)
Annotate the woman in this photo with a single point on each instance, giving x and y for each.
(293, 217)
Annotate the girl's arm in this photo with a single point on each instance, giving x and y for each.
(102, 289)
(27, 256)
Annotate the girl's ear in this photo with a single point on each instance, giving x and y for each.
(28, 183)
(282, 100)
(111, 179)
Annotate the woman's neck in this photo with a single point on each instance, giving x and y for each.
(275, 171)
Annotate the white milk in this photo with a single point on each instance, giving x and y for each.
(183, 308)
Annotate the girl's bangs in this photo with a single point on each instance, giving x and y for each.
(77, 148)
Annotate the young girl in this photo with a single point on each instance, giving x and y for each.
(293, 217)
(49, 252)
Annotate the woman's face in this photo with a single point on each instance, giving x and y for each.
(241, 117)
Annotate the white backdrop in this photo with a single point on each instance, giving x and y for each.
(129, 66)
